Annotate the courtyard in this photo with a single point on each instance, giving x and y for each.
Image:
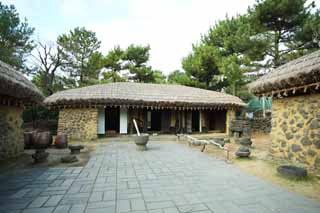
(168, 178)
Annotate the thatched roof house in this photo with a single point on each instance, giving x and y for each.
(15, 92)
(300, 74)
(14, 87)
(158, 107)
(295, 87)
(144, 95)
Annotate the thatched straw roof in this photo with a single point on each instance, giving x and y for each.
(143, 95)
(297, 74)
(15, 88)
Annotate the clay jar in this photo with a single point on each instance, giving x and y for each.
(29, 139)
(43, 140)
(61, 141)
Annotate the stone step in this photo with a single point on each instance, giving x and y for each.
(128, 138)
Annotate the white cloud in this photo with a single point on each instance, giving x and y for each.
(170, 27)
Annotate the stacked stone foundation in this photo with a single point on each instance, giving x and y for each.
(296, 129)
(11, 133)
(78, 124)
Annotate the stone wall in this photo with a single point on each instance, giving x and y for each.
(261, 124)
(231, 115)
(81, 123)
(241, 126)
(11, 133)
(296, 129)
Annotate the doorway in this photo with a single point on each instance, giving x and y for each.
(195, 121)
(217, 120)
(112, 121)
(155, 121)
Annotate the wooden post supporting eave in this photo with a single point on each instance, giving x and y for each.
(200, 121)
(189, 122)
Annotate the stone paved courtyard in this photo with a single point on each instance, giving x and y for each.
(168, 178)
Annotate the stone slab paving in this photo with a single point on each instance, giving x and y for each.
(168, 178)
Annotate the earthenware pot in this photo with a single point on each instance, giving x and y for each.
(43, 140)
(29, 139)
(61, 141)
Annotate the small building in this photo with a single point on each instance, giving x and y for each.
(108, 109)
(295, 88)
(15, 92)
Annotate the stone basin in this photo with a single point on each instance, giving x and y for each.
(69, 159)
(245, 141)
(75, 149)
(141, 141)
(292, 171)
(243, 152)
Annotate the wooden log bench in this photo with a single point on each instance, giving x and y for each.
(194, 141)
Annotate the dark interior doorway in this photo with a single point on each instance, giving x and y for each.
(155, 121)
(217, 120)
(195, 121)
(112, 119)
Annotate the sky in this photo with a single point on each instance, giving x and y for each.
(170, 27)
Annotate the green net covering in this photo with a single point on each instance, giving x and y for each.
(256, 104)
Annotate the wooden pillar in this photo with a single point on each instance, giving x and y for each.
(132, 114)
(189, 122)
(177, 124)
(183, 121)
(145, 120)
(200, 121)
(206, 121)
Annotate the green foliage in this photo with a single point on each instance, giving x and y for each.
(226, 52)
(159, 77)
(202, 64)
(278, 22)
(137, 55)
(48, 63)
(136, 58)
(178, 77)
(236, 36)
(93, 68)
(110, 76)
(270, 34)
(230, 67)
(58, 83)
(80, 54)
(15, 37)
(142, 74)
(39, 113)
(113, 64)
(308, 36)
(244, 94)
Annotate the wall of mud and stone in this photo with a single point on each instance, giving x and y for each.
(296, 129)
(11, 133)
(260, 123)
(231, 116)
(78, 123)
